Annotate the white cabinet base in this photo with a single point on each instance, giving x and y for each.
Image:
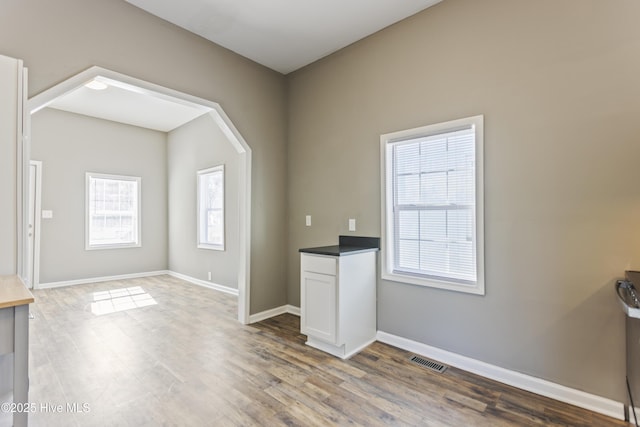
(334, 350)
(338, 302)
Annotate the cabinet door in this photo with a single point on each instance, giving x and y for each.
(318, 311)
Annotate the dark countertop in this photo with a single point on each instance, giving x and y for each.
(348, 245)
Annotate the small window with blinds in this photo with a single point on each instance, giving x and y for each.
(112, 211)
(432, 206)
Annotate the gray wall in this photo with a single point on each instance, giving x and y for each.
(557, 83)
(59, 39)
(197, 145)
(69, 145)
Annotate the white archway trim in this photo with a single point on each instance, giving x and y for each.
(113, 78)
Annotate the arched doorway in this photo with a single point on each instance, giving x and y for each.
(216, 112)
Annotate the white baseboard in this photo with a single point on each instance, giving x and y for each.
(267, 314)
(204, 283)
(292, 309)
(60, 284)
(337, 351)
(632, 419)
(184, 277)
(539, 386)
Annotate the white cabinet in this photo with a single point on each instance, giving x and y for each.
(338, 301)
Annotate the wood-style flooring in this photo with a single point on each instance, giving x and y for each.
(186, 361)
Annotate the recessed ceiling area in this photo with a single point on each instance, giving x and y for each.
(127, 104)
(283, 35)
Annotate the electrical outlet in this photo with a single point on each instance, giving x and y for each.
(352, 224)
(209, 276)
(308, 220)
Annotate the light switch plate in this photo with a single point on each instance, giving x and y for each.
(47, 214)
(308, 220)
(352, 224)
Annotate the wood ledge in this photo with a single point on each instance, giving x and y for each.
(13, 292)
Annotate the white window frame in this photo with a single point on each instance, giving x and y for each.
(199, 213)
(387, 142)
(138, 226)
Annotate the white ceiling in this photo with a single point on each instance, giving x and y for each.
(283, 35)
(129, 104)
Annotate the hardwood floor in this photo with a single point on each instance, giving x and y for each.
(186, 361)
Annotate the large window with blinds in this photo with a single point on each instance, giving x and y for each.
(432, 205)
(113, 211)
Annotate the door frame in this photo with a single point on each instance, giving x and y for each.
(44, 98)
(33, 252)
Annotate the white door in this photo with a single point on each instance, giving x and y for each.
(11, 164)
(33, 223)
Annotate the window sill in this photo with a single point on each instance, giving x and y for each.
(211, 247)
(476, 289)
(114, 246)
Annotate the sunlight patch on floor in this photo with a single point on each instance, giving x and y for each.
(105, 302)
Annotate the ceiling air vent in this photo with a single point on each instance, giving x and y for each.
(429, 364)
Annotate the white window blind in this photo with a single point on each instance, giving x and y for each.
(431, 206)
(434, 198)
(113, 211)
(211, 208)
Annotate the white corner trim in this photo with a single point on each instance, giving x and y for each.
(204, 283)
(292, 309)
(267, 314)
(539, 386)
(99, 279)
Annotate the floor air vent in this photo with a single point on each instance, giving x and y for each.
(429, 364)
